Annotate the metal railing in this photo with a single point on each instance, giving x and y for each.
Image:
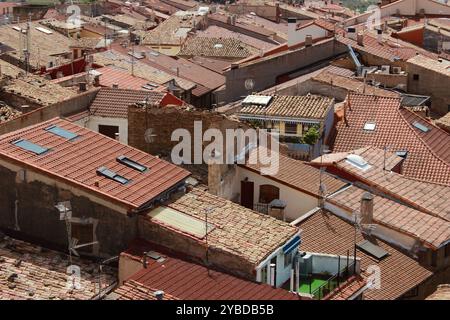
(333, 282)
(262, 207)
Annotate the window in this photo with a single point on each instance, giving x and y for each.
(357, 161)
(415, 77)
(264, 274)
(369, 126)
(29, 146)
(132, 164)
(61, 132)
(267, 193)
(288, 259)
(109, 131)
(402, 153)
(290, 128)
(112, 175)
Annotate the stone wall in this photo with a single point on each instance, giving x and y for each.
(28, 208)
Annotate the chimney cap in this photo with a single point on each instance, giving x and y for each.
(367, 196)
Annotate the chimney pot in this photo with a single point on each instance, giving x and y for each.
(82, 86)
(308, 40)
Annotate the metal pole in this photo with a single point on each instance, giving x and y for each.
(339, 270)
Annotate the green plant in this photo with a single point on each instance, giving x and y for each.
(311, 136)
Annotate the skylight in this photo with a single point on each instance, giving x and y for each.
(29, 146)
(369, 126)
(401, 153)
(131, 163)
(112, 175)
(421, 127)
(63, 133)
(357, 161)
(372, 249)
(181, 221)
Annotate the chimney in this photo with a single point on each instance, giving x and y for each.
(115, 86)
(159, 295)
(272, 275)
(367, 208)
(351, 33)
(116, 136)
(360, 38)
(97, 81)
(292, 29)
(308, 40)
(380, 36)
(82, 86)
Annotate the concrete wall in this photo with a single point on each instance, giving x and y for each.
(67, 107)
(93, 123)
(430, 83)
(299, 36)
(265, 71)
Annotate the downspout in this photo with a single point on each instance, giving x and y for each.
(16, 211)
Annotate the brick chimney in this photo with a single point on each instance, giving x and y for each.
(367, 208)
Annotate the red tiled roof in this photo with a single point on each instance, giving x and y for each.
(428, 153)
(190, 281)
(111, 102)
(324, 232)
(75, 162)
(111, 75)
(298, 175)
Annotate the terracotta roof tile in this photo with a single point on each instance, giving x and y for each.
(428, 154)
(298, 175)
(324, 232)
(114, 103)
(238, 230)
(433, 231)
(217, 48)
(42, 274)
(180, 279)
(75, 162)
(308, 106)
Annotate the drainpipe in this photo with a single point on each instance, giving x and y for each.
(272, 275)
(16, 211)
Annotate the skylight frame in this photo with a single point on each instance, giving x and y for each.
(110, 174)
(356, 161)
(132, 164)
(62, 133)
(421, 127)
(30, 146)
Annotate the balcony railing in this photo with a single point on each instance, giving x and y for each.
(261, 207)
(333, 282)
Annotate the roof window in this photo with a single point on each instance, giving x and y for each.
(369, 126)
(131, 163)
(375, 251)
(112, 175)
(421, 127)
(63, 133)
(29, 146)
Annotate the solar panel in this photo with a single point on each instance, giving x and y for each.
(61, 132)
(29, 146)
(372, 249)
(131, 163)
(421, 127)
(112, 175)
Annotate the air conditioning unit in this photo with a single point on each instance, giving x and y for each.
(385, 69)
(396, 70)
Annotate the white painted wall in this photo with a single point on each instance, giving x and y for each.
(298, 203)
(299, 36)
(392, 236)
(92, 122)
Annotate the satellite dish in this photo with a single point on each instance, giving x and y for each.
(249, 84)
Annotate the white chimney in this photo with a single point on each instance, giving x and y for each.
(116, 136)
(380, 36)
(308, 40)
(292, 30)
(351, 33)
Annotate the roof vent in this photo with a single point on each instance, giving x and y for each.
(358, 161)
(218, 46)
(159, 295)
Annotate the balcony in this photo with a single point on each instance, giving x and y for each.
(322, 275)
